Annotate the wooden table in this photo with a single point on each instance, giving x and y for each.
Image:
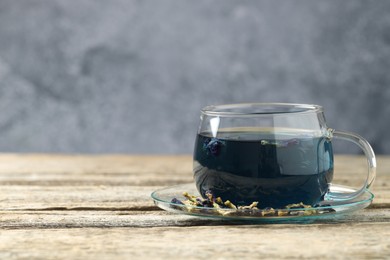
(92, 207)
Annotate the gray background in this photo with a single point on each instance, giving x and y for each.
(131, 76)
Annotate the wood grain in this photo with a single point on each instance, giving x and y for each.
(101, 197)
(44, 219)
(88, 207)
(125, 182)
(58, 170)
(342, 241)
(137, 170)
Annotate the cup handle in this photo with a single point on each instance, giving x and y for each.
(371, 162)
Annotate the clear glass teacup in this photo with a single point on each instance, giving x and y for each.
(272, 153)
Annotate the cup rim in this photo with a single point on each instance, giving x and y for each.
(260, 109)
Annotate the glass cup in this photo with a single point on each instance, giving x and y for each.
(273, 153)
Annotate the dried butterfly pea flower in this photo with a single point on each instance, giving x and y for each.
(282, 212)
(217, 206)
(308, 210)
(191, 198)
(213, 146)
(177, 201)
(230, 205)
(219, 201)
(268, 212)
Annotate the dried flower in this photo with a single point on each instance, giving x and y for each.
(230, 205)
(216, 206)
(213, 146)
(176, 201)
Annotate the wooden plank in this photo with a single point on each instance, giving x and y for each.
(56, 170)
(92, 207)
(101, 197)
(73, 197)
(349, 240)
(87, 164)
(115, 182)
(129, 218)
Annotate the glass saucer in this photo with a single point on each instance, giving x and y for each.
(325, 209)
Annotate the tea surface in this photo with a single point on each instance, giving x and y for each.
(273, 168)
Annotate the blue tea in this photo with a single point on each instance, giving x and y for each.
(273, 168)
